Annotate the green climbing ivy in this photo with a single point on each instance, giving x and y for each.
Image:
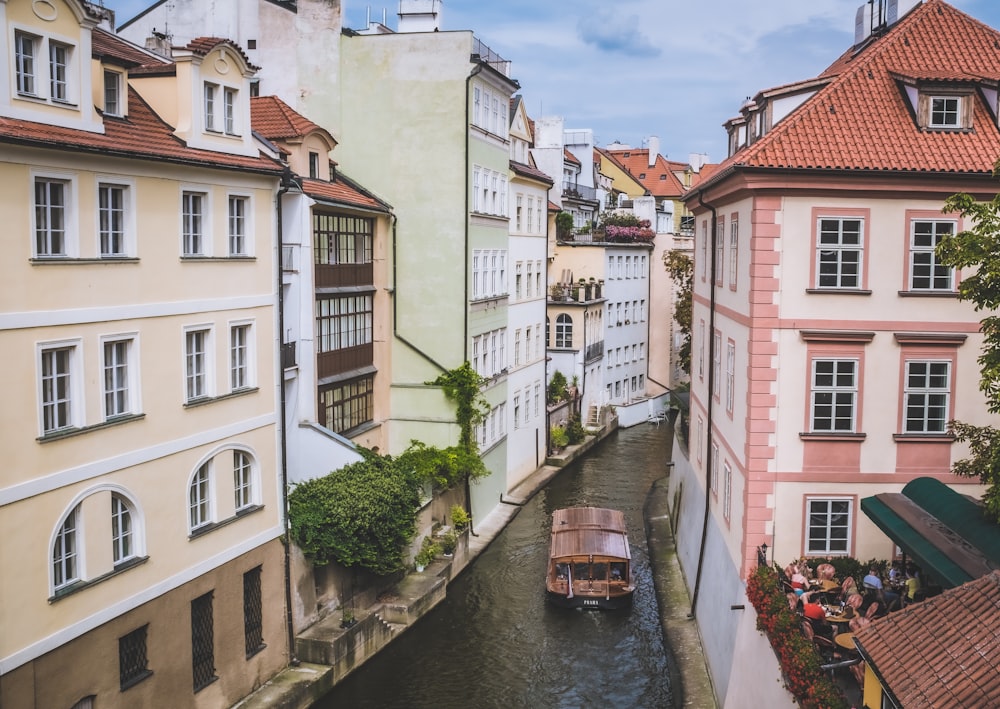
(463, 385)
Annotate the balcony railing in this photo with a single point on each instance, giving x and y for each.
(594, 351)
(483, 53)
(344, 275)
(573, 190)
(339, 361)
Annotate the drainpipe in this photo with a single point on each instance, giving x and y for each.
(287, 183)
(711, 406)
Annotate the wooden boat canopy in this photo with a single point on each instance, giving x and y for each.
(589, 531)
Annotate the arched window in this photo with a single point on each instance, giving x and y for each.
(243, 487)
(122, 530)
(199, 502)
(210, 501)
(65, 569)
(564, 331)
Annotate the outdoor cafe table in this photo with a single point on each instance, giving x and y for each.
(846, 641)
(837, 616)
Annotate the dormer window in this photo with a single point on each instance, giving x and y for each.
(314, 166)
(229, 108)
(24, 58)
(112, 93)
(58, 65)
(939, 104)
(226, 123)
(30, 78)
(210, 91)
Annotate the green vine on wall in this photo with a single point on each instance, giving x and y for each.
(463, 385)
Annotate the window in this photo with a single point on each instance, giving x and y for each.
(238, 226)
(926, 393)
(242, 480)
(828, 526)
(517, 280)
(720, 242)
(538, 399)
(727, 491)
(517, 347)
(202, 642)
(717, 364)
(342, 240)
(253, 616)
(199, 498)
(517, 411)
(734, 241)
(926, 273)
(229, 110)
(839, 253)
(112, 93)
(24, 61)
(314, 165)
(730, 375)
(714, 477)
(65, 570)
(527, 344)
(210, 113)
(834, 395)
(239, 357)
(196, 343)
(946, 111)
(529, 290)
(119, 399)
(122, 539)
(192, 216)
(489, 273)
(57, 384)
(347, 405)
(58, 66)
(564, 331)
(517, 212)
(344, 322)
(51, 207)
(111, 220)
(133, 665)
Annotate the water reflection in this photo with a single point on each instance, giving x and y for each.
(496, 642)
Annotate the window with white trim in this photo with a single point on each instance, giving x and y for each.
(926, 271)
(527, 344)
(538, 399)
(197, 359)
(243, 480)
(238, 225)
(717, 363)
(118, 362)
(111, 220)
(828, 526)
(193, 213)
(200, 498)
(564, 331)
(730, 375)
(122, 531)
(538, 279)
(241, 361)
(734, 242)
(517, 347)
(25, 50)
(489, 191)
(65, 550)
(44, 68)
(113, 93)
(489, 273)
(517, 411)
(714, 475)
(59, 385)
(927, 394)
(839, 252)
(946, 111)
(834, 395)
(529, 291)
(489, 353)
(517, 280)
(52, 207)
(229, 112)
(518, 209)
(59, 55)
(720, 243)
(727, 491)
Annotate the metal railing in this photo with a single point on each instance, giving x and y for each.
(571, 189)
(484, 53)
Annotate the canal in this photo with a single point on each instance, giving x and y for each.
(496, 642)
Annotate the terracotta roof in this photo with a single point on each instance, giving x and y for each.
(862, 119)
(942, 652)
(342, 191)
(659, 179)
(570, 157)
(553, 207)
(112, 49)
(141, 135)
(203, 45)
(529, 171)
(276, 120)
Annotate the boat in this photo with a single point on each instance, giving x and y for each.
(590, 564)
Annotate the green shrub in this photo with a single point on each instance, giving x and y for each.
(460, 519)
(574, 431)
(558, 388)
(559, 437)
(428, 552)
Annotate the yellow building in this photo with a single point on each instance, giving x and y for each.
(140, 503)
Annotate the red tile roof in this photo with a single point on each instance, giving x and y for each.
(531, 172)
(570, 157)
(341, 192)
(276, 120)
(942, 652)
(203, 45)
(142, 135)
(862, 120)
(112, 49)
(659, 179)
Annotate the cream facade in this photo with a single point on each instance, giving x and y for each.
(141, 422)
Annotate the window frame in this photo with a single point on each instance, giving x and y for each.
(930, 252)
(245, 487)
(253, 615)
(66, 558)
(68, 212)
(242, 374)
(848, 526)
(72, 399)
(955, 111)
(840, 250)
(130, 386)
(853, 391)
(133, 671)
(355, 408)
(39, 74)
(203, 641)
(201, 498)
(204, 356)
(26, 77)
(115, 222)
(124, 542)
(239, 225)
(564, 331)
(112, 92)
(209, 99)
(196, 233)
(927, 392)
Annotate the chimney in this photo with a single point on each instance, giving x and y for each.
(654, 149)
(159, 43)
(419, 16)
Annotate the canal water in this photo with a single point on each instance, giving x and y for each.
(496, 642)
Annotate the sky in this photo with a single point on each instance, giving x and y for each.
(631, 69)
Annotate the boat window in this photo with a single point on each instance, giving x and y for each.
(600, 571)
(581, 571)
(617, 571)
(561, 570)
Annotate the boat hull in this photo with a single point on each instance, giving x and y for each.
(590, 602)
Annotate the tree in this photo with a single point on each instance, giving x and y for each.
(979, 247)
(681, 269)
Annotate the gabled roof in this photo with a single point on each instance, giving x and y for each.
(862, 119)
(142, 135)
(531, 172)
(659, 179)
(201, 46)
(112, 49)
(570, 157)
(942, 652)
(276, 120)
(342, 191)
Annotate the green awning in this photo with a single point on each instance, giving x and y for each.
(944, 532)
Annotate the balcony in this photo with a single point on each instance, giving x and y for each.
(576, 292)
(480, 52)
(330, 364)
(571, 190)
(289, 356)
(344, 275)
(594, 351)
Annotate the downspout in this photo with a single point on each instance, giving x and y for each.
(287, 181)
(465, 305)
(711, 398)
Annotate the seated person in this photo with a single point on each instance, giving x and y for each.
(874, 581)
(914, 587)
(797, 579)
(816, 615)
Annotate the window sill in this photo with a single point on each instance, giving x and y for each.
(838, 291)
(260, 648)
(212, 526)
(136, 680)
(70, 432)
(196, 258)
(203, 400)
(359, 429)
(923, 437)
(81, 585)
(829, 436)
(928, 294)
(69, 260)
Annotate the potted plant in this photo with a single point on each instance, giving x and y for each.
(428, 552)
(460, 518)
(448, 541)
(347, 619)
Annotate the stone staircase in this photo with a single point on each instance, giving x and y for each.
(593, 418)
